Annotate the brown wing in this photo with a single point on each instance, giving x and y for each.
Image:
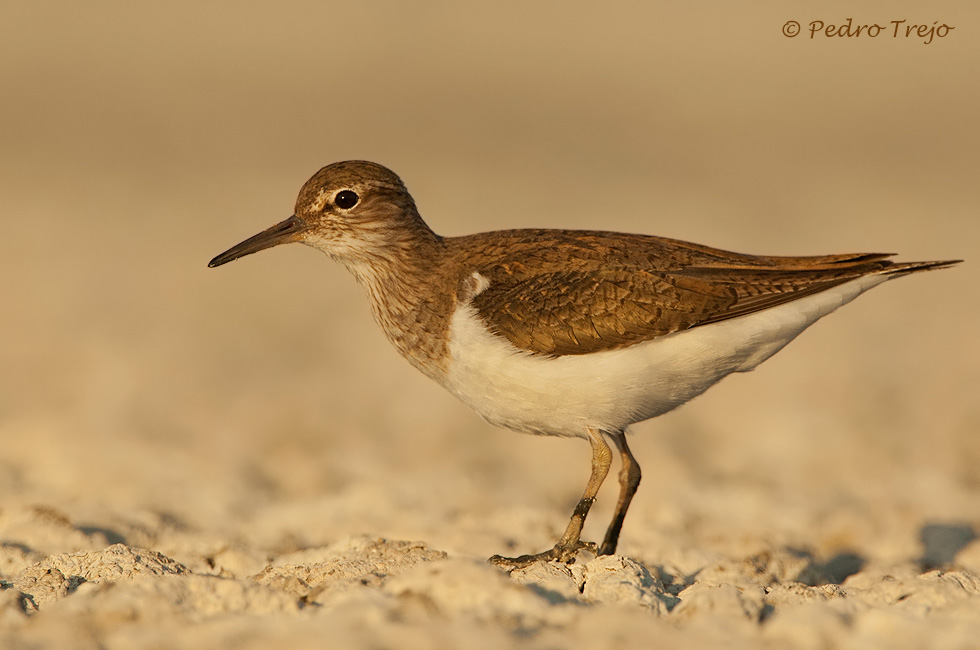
(586, 304)
(576, 312)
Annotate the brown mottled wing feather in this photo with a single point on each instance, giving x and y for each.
(576, 312)
(590, 304)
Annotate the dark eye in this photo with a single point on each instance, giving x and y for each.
(346, 199)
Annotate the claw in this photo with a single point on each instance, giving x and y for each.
(560, 553)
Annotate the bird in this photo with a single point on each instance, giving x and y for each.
(573, 333)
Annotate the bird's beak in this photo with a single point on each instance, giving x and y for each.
(284, 232)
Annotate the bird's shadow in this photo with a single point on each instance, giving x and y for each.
(942, 541)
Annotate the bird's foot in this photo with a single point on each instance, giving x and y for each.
(564, 553)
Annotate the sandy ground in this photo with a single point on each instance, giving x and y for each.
(236, 458)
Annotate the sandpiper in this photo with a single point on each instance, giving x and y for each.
(565, 332)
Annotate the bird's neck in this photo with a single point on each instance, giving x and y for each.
(401, 283)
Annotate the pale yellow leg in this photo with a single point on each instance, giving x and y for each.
(629, 480)
(570, 543)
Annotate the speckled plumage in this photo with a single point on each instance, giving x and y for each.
(574, 292)
(565, 332)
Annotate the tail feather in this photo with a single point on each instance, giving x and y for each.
(904, 268)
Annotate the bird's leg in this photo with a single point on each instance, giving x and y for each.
(570, 543)
(629, 480)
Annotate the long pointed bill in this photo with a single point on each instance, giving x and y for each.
(284, 232)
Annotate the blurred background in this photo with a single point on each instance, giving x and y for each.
(259, 402)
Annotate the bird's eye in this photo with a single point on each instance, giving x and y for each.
(345, 199)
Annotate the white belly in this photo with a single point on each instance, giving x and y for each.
(610, 390)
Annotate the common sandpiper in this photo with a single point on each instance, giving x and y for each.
(565, 332)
